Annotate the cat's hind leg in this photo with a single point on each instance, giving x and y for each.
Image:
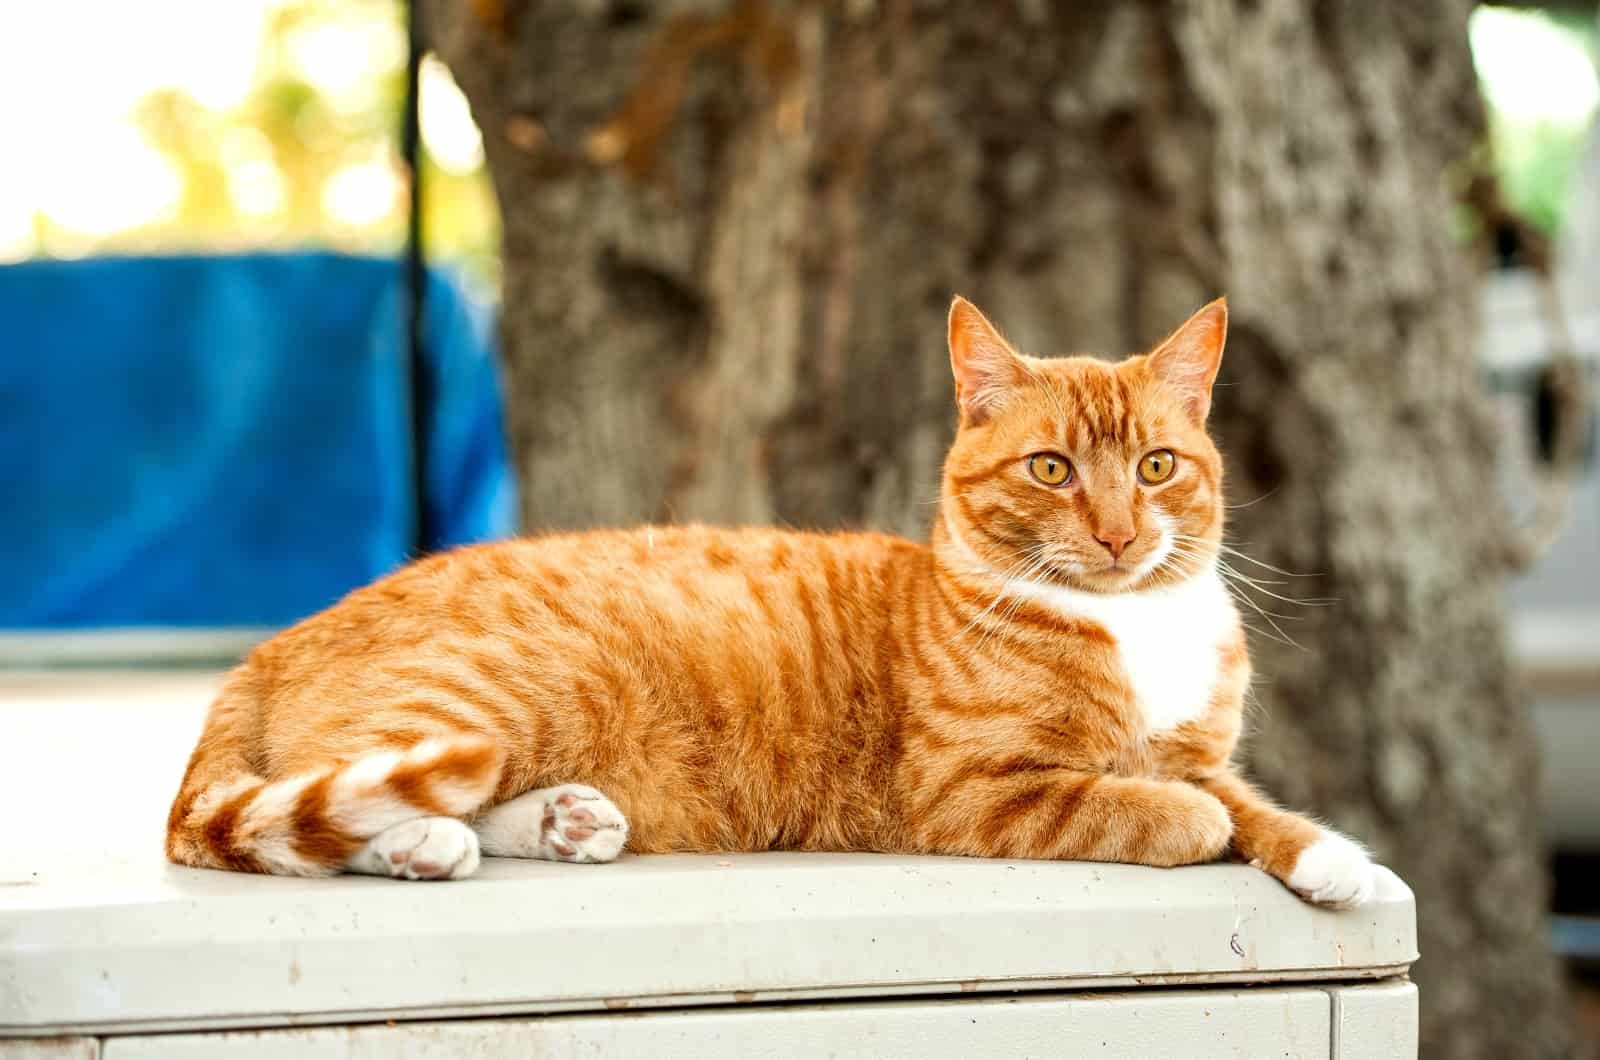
(423, 848)
(568, 822)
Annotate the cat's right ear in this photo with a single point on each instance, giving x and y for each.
(985, 366)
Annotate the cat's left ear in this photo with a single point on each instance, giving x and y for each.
(1189, 358)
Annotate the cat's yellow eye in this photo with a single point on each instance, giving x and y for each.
(1157, 465)
(1052, 469)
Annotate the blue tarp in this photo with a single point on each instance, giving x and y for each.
(218, 441)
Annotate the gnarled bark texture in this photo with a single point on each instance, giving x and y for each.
(732, 232)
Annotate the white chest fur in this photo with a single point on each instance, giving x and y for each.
(1169, 639)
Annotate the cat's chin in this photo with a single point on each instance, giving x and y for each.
(1107, 580)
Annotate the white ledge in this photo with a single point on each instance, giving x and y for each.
(98, 934)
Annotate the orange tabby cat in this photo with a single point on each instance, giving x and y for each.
(1057, 674)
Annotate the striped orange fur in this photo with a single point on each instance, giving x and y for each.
(1056, 673)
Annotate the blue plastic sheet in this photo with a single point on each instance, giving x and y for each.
(221, 441)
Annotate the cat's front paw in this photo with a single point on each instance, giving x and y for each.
(1334, 871)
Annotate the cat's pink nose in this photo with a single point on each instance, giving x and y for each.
(1115, 541)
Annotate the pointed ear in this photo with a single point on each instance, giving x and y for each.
(986, 368)
(1189, 358)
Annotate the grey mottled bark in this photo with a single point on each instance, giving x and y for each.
(727, 303)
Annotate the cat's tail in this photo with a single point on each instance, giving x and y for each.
(227, 817)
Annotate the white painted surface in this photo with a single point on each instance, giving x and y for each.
(97, 932)
(50, 1049)
(1375, 1022)
(1179, 1025)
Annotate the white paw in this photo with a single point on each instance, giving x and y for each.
(569, 822)
(425, 848)
(1334, 871)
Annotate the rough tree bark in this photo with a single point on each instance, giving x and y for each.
(732, 232)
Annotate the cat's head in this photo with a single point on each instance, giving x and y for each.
(1082, 472)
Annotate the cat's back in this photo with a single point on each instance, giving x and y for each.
(735, 582)
(691, 560)
(648, 580)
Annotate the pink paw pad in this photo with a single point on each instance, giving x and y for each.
(583, 826)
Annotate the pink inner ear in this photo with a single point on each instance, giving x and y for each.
(1190, 357)
(983, 362)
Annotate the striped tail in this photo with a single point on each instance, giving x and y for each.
(225, 817)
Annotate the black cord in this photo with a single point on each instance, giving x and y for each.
(416, 281)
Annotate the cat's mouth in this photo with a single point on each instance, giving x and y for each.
(1113, 575)
(1072, 573)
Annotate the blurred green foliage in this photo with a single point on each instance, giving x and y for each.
(1537, 154)
(1537, 163)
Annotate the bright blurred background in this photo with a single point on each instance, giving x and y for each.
(224, 126)
(273, 124)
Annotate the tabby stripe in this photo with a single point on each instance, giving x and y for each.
(685, 584)
(1041, 616)
(412, 783)
(925, 734)
(788, 666)
(514, 692)
(965, 508)
(947, 630)
(1068, 799)
(941, 794)
(974, 477)
(914, 646)
(820, 682)
(971, 769)
(515, 610)
(1017, 764)
(1006, 816)
(792, 699)
(222, 832)
(703, 692)
(1088, 839)
(963, 597)
(1127, 425)
(316, 838)
(462, 709)
(885, 653)
(1045, 651)
(607, 717)
(490, 703)
(839, 614)
(976, 708)
(448, 714)
(552, 603)
(758, 593)
(1142, 828)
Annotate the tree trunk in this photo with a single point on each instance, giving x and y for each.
(732, 232)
